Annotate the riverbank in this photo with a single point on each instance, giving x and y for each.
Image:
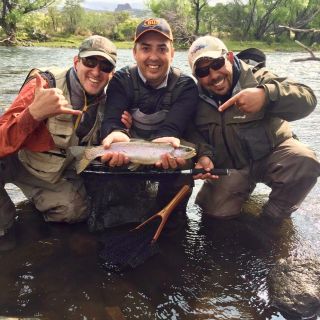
(74, 42)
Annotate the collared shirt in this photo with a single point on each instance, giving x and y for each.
(163, 84)
(18, 129)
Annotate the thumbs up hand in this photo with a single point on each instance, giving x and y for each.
(48, 102)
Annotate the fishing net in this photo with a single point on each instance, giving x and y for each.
(121, 200)
(118, 200)
(124, 250)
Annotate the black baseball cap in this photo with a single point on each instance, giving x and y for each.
(153, 24)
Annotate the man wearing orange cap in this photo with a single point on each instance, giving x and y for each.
(243, 113)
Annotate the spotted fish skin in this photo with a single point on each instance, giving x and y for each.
(139, 152)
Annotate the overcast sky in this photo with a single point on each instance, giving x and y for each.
(112, 4)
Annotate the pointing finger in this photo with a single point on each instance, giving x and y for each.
(228, 103)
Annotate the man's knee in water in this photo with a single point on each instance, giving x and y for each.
(71, 212)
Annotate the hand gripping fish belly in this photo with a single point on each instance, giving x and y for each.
(139, 152)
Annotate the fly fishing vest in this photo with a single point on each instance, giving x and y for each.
(50, 165)
(145, 125)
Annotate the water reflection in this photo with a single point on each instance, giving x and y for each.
(212, 270)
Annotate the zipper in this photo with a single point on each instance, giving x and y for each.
(223, 131)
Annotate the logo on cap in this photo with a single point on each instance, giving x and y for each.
(197, 48)
(151, 22)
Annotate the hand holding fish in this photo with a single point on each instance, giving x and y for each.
(206, 164)
(167, 160)
(115, 136)
(173, 140)
(249, 100)
(115, 159)
(49, 102)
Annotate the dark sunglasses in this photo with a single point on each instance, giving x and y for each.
(215, 64)
(92, 62)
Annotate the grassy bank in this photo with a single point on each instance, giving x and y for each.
(74, 42)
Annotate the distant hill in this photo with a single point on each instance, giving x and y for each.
(138, 13)
(111, 5)
(123, 7)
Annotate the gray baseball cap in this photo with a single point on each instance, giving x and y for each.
(98, 46)
(205, 47)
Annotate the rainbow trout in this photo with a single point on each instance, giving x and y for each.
(139, 152)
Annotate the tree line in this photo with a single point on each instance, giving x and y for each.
(238, 20)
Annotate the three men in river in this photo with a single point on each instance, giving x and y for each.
(240, 111)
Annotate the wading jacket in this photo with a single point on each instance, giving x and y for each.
(240, 138)
(156, 112)
(47, 158)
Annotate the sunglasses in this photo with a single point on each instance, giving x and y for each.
(92, 62)
(215, 64)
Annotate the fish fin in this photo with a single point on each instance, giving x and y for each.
(83, 157)
(81, 164)
(133, 166)
(77, 151)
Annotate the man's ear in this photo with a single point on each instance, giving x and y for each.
(172, 53)
(76, 60)
(134, 50)
(111, 75)
(230, 56)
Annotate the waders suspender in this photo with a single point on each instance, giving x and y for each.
(47, 75)
(167, 98)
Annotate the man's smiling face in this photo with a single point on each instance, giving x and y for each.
(217, 81)
(93, 80)
(153, 53)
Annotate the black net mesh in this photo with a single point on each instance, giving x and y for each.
(118, 200)
(125, 250)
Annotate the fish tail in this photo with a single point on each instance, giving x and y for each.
(88, 156)
(82, 164)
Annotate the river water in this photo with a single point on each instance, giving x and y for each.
(213, 270)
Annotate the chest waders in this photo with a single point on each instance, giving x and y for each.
(145, 125)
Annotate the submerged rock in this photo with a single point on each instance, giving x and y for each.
(254, 204)
(295, 286)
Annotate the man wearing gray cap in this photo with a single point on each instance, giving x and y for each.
(243, 113)
(55, 109)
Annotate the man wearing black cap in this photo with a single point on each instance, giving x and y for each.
(54, 110)
(160, 98)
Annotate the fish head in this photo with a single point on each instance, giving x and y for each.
(184, 152)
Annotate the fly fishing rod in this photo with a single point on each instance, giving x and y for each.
(102, 170)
